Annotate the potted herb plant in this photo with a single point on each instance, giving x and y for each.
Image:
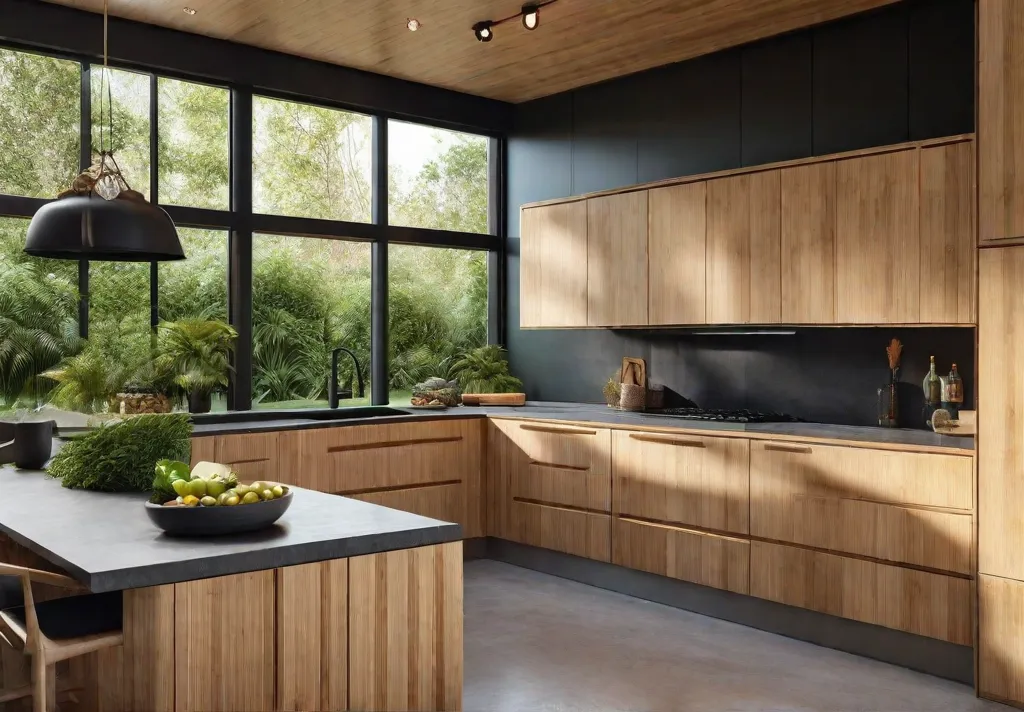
(485, 370)
(199, 353)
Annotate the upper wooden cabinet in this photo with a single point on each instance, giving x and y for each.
(877, 239)
(1000, 131)
(553, 265)
(677, 238)
(808, 243)
(617, 259)
(743, 267)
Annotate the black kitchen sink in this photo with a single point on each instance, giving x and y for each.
(320, 414)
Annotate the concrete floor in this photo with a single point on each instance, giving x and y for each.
(540, 643)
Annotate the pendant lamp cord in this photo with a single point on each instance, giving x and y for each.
(107, 144)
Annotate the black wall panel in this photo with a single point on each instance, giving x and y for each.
(860, 81)
(904, 72)
(777, 107)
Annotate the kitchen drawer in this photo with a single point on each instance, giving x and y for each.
(780, 469)
(567, 530)
(444, 502)
(562, 485)
(376, 457)
(685, 479)
(688, 555)
(560, 446)
(919, 602)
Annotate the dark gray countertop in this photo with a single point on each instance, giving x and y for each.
(595, 413)
(107, 541)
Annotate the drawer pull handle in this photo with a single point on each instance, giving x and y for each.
(788, 448)
(557, 431)
(667, 441)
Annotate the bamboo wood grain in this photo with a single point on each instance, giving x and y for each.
(808, 196)
(405, 630)
(677, 236)
(914, 601)
(447, 502)
(949, 260)
(617, 260)
(334, 652)
(878, 278)
(689, 555)
(1000, 643)
(255, 456)
(204, 448)
(1001, 413)
(553, 265)
(810, 498)
(705, 486)
(1000, 135)
(299, 612)
(571, 531)
(221, 636)
(148, 657)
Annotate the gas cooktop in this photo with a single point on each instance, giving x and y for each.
(725, 416)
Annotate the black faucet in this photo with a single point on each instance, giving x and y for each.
(332, 392)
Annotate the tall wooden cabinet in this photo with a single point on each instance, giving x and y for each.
(808, 197)
(617, 259)
(553, 265)
(677, 230)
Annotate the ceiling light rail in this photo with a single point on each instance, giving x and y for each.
(529, 15)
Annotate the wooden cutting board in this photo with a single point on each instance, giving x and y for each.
(514, 399)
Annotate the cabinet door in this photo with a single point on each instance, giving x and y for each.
(948, 252)
(1001, 413)
(878, 256)
(1000, 131)
(553, 265)
(1000, 643)
(256, 456)
(676, 243)
(808, 244)
(682, 479)
(744, 270)
(617, 260)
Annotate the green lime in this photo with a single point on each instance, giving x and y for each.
(267, 494)
(215, 488)
(181, 487)
(250, 498)
(232, 500)
(278, 491)
(242, 490)
(197, 488)
(208, 501)
(222, 498)
(257, 486)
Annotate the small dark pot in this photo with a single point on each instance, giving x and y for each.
(200, 401)
(32, 444)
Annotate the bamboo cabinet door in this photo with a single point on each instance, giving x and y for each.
(877, 239)
(676, 242)
(553, 265)
(808, 244)
(617, 260)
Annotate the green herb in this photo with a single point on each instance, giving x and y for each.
(121, 457)
(167, 472)
(485, 370)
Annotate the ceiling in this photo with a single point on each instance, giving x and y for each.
(578, 42)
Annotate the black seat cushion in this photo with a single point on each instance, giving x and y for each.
(10, 592)
(75, 616)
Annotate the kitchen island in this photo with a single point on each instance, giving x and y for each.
(340, 605)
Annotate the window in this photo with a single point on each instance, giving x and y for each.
(122, 102)
(437, 178)
(194, 148)
(437, 311)
(310, 161)
(310, 295)
(38, 317)
(196, 287)
(39, 124)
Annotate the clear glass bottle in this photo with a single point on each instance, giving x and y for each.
(953, 393)
(932, 386)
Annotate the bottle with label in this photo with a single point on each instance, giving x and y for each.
(953, 393)
(932, 388)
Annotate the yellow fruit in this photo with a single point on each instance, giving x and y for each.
(267, 494)
(197, 488)
(232, 500)
(278, 491)
(181, 487)
(250, 498)
(222, 498)
(190, 501)
(242, 490)
(208, 501)
(257, 486)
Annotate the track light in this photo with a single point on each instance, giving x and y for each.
(531, 16)
(483, 31)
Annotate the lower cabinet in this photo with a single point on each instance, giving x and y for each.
(570, 531)
(444, 502)
(685, 554)
(914, 601)
(1000, 643)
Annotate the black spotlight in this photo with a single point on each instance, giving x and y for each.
(483, 31)
(531, 16)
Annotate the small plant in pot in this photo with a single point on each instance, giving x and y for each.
(199, 353)
(485, 370)
(149, 390)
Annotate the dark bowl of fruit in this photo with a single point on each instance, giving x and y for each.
(244, 508)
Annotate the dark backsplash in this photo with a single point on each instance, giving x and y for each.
(904, 72)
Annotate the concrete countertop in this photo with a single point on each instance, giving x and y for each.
(108, 542)
(592, 413)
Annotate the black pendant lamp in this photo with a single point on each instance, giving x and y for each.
(100, 217)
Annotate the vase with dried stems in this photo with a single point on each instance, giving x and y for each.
(888, 400)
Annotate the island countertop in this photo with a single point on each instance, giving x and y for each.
(108, 542)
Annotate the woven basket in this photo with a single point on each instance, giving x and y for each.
(633, 397)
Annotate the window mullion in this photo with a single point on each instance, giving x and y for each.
(380, 377)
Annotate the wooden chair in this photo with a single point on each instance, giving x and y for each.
(54, 630)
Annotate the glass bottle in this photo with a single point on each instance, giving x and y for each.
(932, 388)
(953, 393)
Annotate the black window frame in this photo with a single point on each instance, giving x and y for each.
(240, 222)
